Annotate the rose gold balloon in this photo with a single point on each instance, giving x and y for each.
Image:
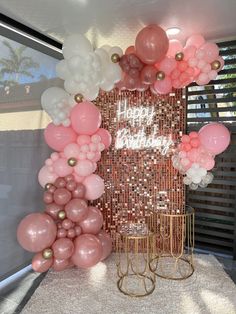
(79, 192)
(52, 189)
(61, 233)
(93, 222)
(71, 185)
(71, 233)
(88, 251)
(78, 230)
(106, 242)
(63, 248)
(36, 232)
(62, 196)
(40, 264)
(70, 177)
(67, 224)
(76, 210)
(60, 264)
(53, 210)
(60, 183)
(47, 197)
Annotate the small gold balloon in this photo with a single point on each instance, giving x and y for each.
(115, 58)
(78, 98)
(72, 161)
(47, 186)
(179, 56)
(160, 75)
(47, 253)
(215, 65)
(61, 215)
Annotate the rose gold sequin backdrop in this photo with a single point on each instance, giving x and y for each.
(137, 181)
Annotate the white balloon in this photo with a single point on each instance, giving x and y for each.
(92, 93)
(196, 179)
(187, 180)
(117, 50)
(62, 70)
(76, 45)
(106, 48)
(107, 85)
(71, 86)
(193, 186)
(51, 96)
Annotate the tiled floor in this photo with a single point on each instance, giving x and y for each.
(14, 297)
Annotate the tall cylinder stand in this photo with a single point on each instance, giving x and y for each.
(173, 253)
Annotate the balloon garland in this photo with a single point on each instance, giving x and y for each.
(69, 231)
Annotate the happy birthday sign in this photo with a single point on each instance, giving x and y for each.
(135, 136)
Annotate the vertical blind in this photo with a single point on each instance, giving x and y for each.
(216, 205)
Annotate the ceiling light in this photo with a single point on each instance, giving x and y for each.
(173, 31)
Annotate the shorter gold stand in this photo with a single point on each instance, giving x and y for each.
(173, 256)
(133, 253)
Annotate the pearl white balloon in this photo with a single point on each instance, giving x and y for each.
(117, 50)
(51, 96)
(76, 45)
(62, 70)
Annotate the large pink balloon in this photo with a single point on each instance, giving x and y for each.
(175, 46)
(106, 242)
(63, 248)
(93, 222)
(215, 137)
(61, 167)
(45, 176)
(40, 264)
(94, 187)
(88, 251)
(163, 87)
(85, 118)
(84, 168)
(151, 44)
(76, 210)
(57, 137)
(105, 137)
(36, 232)
(60, 264)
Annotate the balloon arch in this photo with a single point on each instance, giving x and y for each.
(69, 231)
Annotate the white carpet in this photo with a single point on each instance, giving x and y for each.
(94, 291)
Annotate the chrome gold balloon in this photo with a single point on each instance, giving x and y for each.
(72, 161)
(61, 215)
(215, 65)
(160, 75)
(179, 56)
(47, 253)
(78, 98)
(47, 186)
(115, 58)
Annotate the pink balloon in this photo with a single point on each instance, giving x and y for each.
(193, 154)
(93, 222)
(72, 150)
(71, 233)
(208, 164)
(148, 74)
(175, 46)
(45, 176)
(212, 74)
(97, 157)
(60, 183)
(78, 230)
(163, 87)
(85, 118)
(40, 264)
(76, 210)
(130, 50)
(167, 65)
(57, 137)
(36, 232)
(71, 185)
(105, 136)
(94, 187)
(47, 198)
(61, 233)
(182, 66)
(222, 62)
(61, 167)
(106, 242)
(151, 44)
(185, 139)
(196, 40)
(53, 210)
(61, 196)
(202, 79)
(211, 51)
(83, 139)
(84, 168)
(88, 251)
(189, 52)
(79, 191)
(193, 134)
(195, 142)
(215, 137)
(67, 224)
(60, 264)
(63, 248)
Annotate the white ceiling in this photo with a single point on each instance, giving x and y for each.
(117, 21)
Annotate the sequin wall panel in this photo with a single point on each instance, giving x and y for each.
(137, 168)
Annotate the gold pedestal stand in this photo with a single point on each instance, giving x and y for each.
(133, 255)
(173, 256)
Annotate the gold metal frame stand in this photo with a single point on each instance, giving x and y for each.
(173, 255)
(133, 256)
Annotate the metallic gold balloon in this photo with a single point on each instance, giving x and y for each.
(47, 253)
(160, 75)
(72, 161)
(78, 98)
(47, 186)
(61, 215)
(215, 65)
(115, 58)
(179, 56)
